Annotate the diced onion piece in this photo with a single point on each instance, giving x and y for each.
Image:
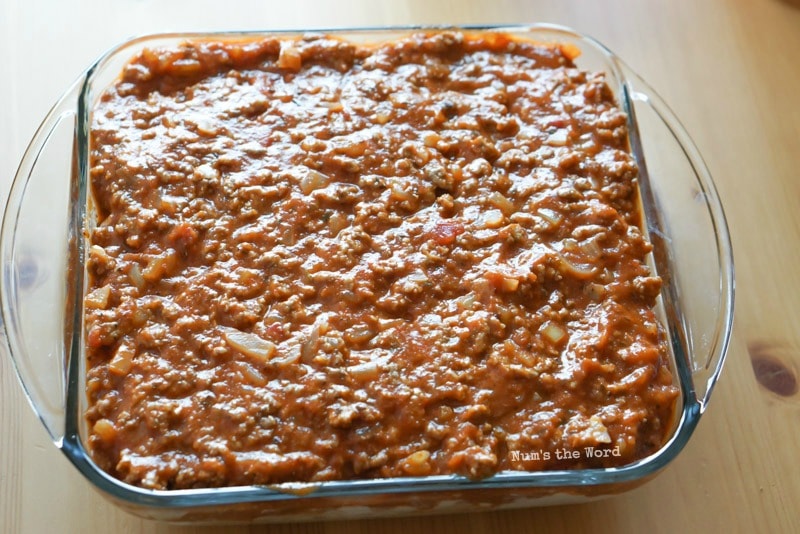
(552, 217)
(310, 346)
(558, 138)
(570, 50)
(289, 57)
(251, 375)
(467, 301)
(158, 267)
(205, 126)
(99, 254)
(98, 299)
(492, 219)
(507, 314)
(554, 333)
(591, 248)
(417, 276)
(431, 139)
(570, 245)
(353, 149)
(135, 274)
(364, 371)
(381, 118)
(385, 324)
(253, 148)
(633, 381)
(502, 203)
(418, 464)
(337, 222)
(359, 334)
(289, 237)
(332, 106)
(249, 344)
(509, 284)
(139, 317)
(525, 357)
(122, 361)
(290, 355)
(185, 67)
(400, 194)
(598, 431)
(206, 173)
(312, 181)
(231, 157)
(104, 429)
(577, 271)
(651, 328)
(502, 281)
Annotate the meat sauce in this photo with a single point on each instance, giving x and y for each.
(318, 260)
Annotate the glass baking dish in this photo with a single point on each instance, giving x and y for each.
(42, 285)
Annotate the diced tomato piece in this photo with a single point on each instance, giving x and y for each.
(445, 232)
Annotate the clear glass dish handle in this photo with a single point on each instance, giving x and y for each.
(708, 322)
(33, 249)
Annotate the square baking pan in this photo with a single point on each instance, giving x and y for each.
(44, 244)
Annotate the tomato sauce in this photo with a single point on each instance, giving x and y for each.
(319, 260)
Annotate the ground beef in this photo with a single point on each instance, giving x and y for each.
(316, 260)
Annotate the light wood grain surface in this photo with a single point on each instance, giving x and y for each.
(729, 68)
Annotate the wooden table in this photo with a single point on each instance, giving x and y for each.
(730, 70)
